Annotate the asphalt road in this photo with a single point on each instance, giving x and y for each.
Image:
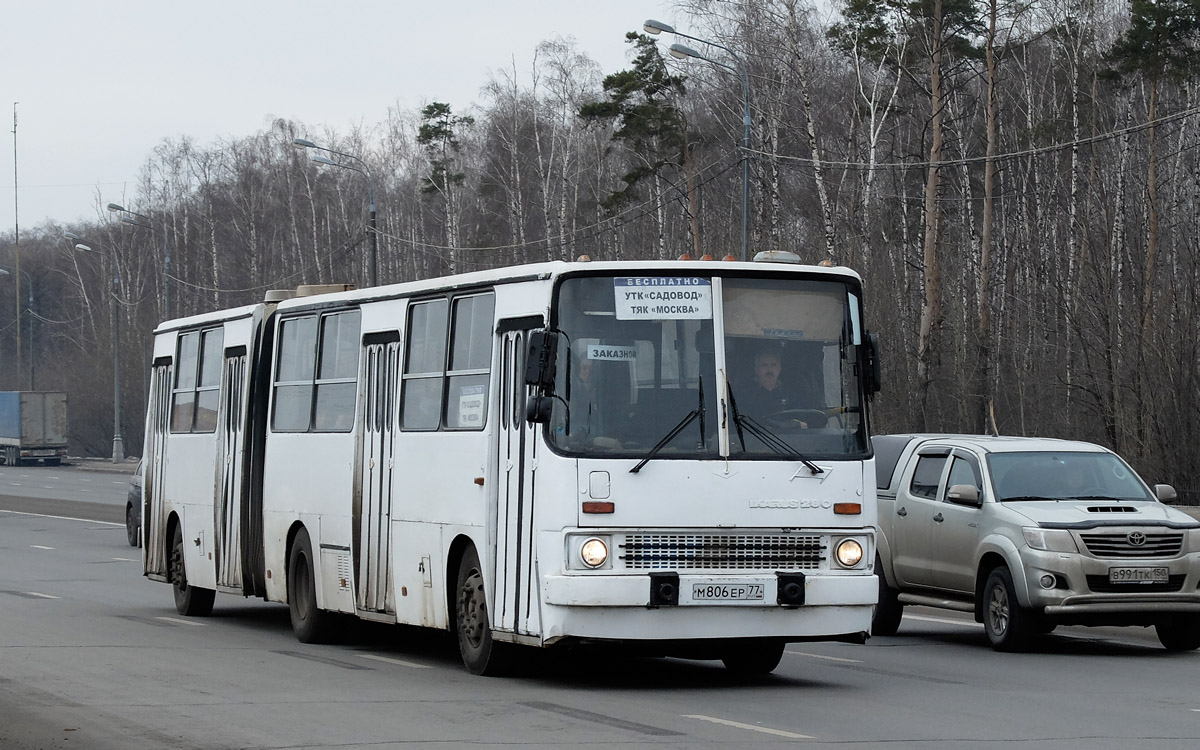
(94, 656)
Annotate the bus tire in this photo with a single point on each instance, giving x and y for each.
(885, 620)
(753, 658)
(310, 623)
(481, 655)
(191, 601)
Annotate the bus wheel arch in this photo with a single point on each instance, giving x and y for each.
(190, 601)
(310, 623)
(481, 654)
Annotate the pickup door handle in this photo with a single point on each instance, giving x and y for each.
(902, 511)
(939, 518)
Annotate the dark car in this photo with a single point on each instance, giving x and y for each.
(133, 507)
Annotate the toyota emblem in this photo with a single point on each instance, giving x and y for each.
(1136, 538)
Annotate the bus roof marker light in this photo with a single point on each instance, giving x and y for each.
(776, 256)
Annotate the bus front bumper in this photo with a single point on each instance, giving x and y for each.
(742, 591)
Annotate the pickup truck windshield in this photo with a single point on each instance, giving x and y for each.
(641, 350)
(1063, 476)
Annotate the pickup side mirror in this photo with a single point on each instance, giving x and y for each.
(1165, 493)
(540, 363)
(872, 377)
(964, 494)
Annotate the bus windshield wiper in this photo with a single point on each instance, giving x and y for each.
(766, 436)
(697, 413)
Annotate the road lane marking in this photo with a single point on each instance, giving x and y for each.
(61, 518)
(126, 559)
(821, 656)
(400, 662)
(40, 546)
(42, 596)
(944, 620)
(178, 621)
(751, 727)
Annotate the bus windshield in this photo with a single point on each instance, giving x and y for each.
(641, 360)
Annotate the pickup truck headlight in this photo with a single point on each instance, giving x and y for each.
(1050, 540)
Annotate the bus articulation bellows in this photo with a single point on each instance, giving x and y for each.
(529, 456)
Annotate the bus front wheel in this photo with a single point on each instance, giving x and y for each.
(310, 623)
(480, 653)
(189, 600)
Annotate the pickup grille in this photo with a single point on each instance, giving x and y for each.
(722, 551)
(1119, 545)
(1100, 585)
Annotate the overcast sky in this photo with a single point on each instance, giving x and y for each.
(100, 84)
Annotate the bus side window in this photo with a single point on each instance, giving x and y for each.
(424, 363)
(470, 362)
(337, 372)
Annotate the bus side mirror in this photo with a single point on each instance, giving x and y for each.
(873, 377)
(540, 360)
(538, 408)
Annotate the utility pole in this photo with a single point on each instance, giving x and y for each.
(16, 246)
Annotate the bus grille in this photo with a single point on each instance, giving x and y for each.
(721, 551)
(1120, 545)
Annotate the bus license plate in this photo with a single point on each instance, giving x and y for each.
(727, 592)
(1137, 575)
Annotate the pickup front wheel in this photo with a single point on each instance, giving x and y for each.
(888, 611)
(1008, 625)
(1180, 633)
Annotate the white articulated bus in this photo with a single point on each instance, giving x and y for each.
(529, 456)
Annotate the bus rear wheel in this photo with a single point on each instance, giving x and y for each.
(481, 655)
(189, 600)
(310, 623)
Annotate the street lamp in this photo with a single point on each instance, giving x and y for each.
(682, 52)
(118, 208)
(118, 445)
(28, 283)
(363, 170)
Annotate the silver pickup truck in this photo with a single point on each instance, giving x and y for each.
(1028, 534)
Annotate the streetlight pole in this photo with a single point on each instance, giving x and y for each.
(363, 170)
(117, 208)
(17, 274)
(118, 445)
(682, 52)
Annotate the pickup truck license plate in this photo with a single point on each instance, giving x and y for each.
(1137, 575)
(727, 592)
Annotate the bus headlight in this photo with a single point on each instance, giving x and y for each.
(593, 553)
(849, 553)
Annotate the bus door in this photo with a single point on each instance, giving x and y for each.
(154, 522)
(373, 481)
(515, 564)
(228, 508)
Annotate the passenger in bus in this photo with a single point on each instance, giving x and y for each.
(772, 395)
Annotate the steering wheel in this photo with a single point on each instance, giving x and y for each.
(793, 418)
